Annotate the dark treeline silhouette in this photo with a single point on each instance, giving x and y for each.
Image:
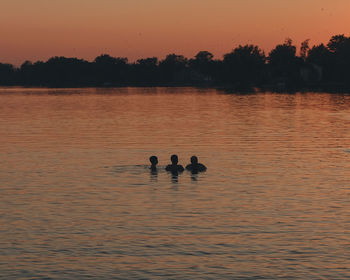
(285, 67)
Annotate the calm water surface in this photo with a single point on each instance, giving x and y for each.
(77, 200)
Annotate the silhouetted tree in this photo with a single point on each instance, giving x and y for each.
(204, 57)
(172, 68)
(339, 46)
(110, 70)
(27, 73)
(244, 65)
(62, 71)
(7, 74)
(337, 42)
(203, 65)
(145, 71)
(304, 49)
(151, 62)
(284, 64)
(320, 56)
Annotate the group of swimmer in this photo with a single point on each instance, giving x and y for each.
(175, 168)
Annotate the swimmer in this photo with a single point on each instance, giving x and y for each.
(195, 167)
(154, 162)
(174, 167)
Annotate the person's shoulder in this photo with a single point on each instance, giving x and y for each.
(202, 166)
(180, 168)
(189, 166)
(168, 167)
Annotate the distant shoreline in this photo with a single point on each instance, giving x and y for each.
(245, 68)
(326, 88)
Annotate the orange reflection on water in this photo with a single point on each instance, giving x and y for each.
(77, 198)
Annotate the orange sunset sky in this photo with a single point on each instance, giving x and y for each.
(38, 29)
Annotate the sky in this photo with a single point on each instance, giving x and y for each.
(39, 29)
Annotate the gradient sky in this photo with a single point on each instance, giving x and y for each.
(39, 29)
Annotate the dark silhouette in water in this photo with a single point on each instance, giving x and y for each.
(175, 177)
(174, 167)
(195, 166)
(154, 162)
(194, 177)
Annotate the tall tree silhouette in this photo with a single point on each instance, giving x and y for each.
(145, 71)
(284, 63)
(339, 46)
(172, 68)
(111, 70)
(62, 71)
(244, 65)
(320, 56)
(204, 65)
(304, 49)
(7, 74)
(337, 42)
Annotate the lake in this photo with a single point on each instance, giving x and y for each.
(78, 201)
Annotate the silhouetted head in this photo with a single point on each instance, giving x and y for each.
(153, 160)
(174, 159)
(194, 160)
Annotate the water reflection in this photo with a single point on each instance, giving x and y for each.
(194, 177)
(154, 175)
(175, 177)
(76, 186)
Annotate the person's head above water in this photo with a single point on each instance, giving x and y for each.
(174, 167)
(194, 160)
(153, 160)
(195, 166)
(174, 159)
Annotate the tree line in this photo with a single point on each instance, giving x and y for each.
(245, 66)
